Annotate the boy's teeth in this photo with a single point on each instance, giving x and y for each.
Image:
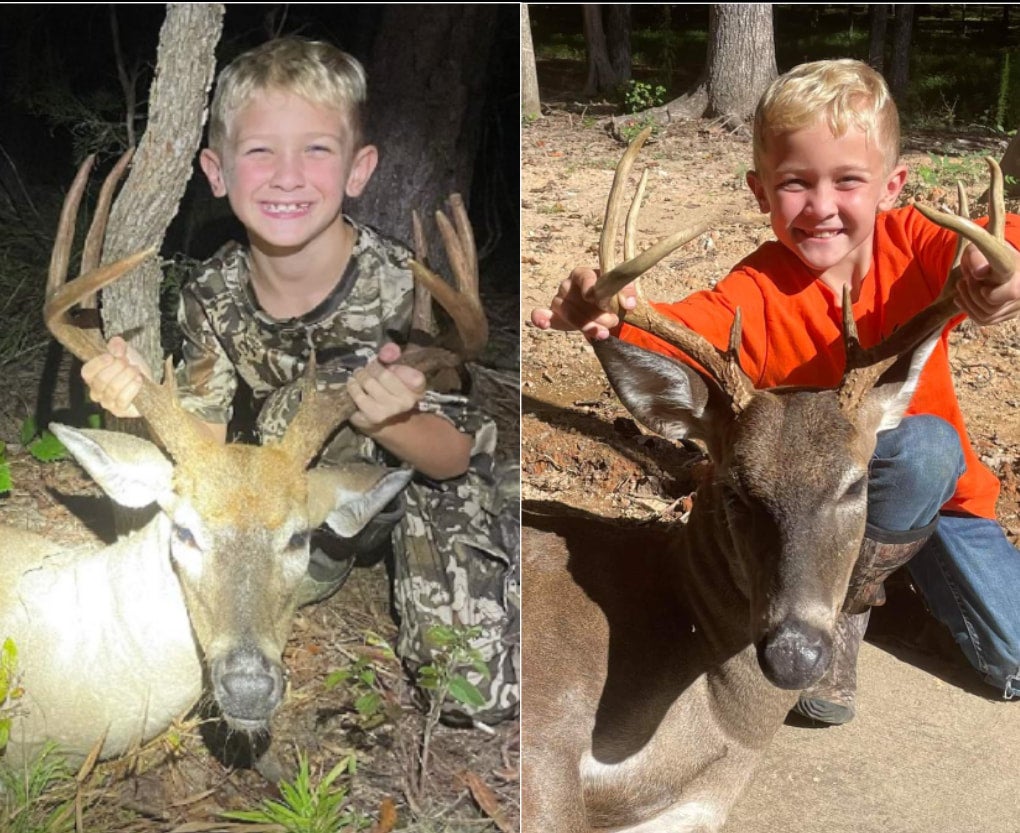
(286, 208)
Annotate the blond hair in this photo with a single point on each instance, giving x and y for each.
(845, 93)
(314, 70)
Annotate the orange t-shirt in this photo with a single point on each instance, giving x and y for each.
(792, 326)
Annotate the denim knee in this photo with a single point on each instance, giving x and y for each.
(913, 472)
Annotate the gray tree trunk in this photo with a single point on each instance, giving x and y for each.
(160, 170)
(899, 66)
(741, 58)
(879, 20)
(607, 40)
(740, 64)
(531, 105)
(427, 77)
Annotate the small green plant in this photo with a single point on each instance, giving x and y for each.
(630, 128)
(306, 808)
(361, 680)
(5, 471)
(38, 797)
(639, 95)
(443, 680)
(10, 689)
(945, 171)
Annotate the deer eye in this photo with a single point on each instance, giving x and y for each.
(299, 540)
(184, 536)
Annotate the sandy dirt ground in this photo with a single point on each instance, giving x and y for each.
(932, 749)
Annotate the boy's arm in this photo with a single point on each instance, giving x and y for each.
(387, 397)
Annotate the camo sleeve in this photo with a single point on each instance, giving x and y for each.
(206, 378)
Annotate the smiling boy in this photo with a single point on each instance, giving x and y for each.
(826, 157)
(286, 148)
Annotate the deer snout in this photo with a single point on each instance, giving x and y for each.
(248, 688)
(795, 654)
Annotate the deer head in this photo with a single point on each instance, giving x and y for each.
(789, 487)
(237, 519)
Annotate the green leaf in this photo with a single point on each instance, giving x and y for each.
(337, 677)
(47, 448)
(94, 420)
(465, 692)
(5, 733)
(441, 635)
(5, 477)
(368, 704)
(29, 430)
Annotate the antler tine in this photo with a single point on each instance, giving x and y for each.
(864, 367)
(722, 365)
(461, 303)
(170, 424)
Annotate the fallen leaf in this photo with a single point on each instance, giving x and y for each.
(387, 817)
(486, 799)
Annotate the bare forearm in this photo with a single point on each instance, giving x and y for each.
(428, 442)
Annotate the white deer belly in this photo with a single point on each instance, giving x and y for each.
(104, 647)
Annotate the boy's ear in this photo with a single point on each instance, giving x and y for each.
(362, 168)
(893, 186)
(758, 189)
(212, 167)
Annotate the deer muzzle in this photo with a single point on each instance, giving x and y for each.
(248, 687)
(795, 654)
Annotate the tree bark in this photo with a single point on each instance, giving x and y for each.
(899, 69)
(617, 28)
(427, 78)
(879, 20)
(160, 170)
(531, 105)
(600, 70)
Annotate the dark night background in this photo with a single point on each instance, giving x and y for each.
(62, 98)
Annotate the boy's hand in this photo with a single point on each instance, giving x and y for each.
(383, 390)
(984, 300)
(574, 307)
(114, 378)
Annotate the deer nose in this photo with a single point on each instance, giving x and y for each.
(795, 654)
(248, 688)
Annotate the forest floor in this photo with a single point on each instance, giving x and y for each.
(176, 785)
(931, 749)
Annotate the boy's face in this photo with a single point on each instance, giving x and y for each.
(823, 194)
(286, 167)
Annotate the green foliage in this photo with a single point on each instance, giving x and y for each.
(308, 808)
(638, 96)
(5, 474)
(630, 128)
(946, 171)
(39, 797)
(44, 445)
(361, 680)
(452, 653)
(10, 690)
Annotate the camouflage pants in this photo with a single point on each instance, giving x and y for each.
(455, 555)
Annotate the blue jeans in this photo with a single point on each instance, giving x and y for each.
(968, 571)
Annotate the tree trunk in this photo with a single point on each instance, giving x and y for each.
(899, 69)
(427, 79)
(740, 64)
(879, 14)
(161, 168)
(600, 70)
(741, 58)
(531, 105)
(617, 30)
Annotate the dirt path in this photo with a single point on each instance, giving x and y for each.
(930, 749)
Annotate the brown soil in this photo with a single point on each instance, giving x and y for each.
(581, 448)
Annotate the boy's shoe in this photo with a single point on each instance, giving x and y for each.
(831, 699)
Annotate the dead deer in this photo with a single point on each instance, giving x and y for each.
(658, 663)
(115, 643)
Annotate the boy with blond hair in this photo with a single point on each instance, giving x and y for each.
(827, 171)
(286, 147)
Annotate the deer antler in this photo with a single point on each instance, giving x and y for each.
(724, 367)
(322, 411)
(864, 367)
(173, 427)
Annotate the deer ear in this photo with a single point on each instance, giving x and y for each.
(673, 399)
(131, 470)
(347, 498)
(887, 401)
